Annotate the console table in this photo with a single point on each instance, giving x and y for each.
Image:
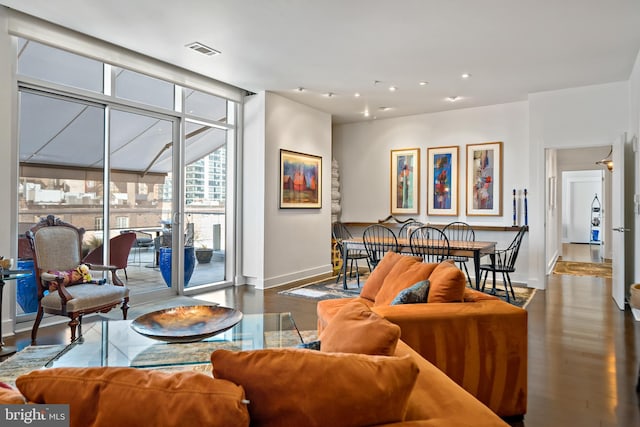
(8, 275)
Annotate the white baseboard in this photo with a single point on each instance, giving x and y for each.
(284, 279)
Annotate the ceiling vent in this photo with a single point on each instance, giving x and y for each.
(205, 50)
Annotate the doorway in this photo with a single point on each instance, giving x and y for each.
(584, 201)
(582, 215)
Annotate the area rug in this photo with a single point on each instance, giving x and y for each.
(329, 289)
(35, 357)
(597, 269)
(27, 360)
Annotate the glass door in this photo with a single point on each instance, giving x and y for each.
(141, 197)
(61, 146)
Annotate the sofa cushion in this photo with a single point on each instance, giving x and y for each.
(471, 295)
(9, 395)
(327, 309)
(296, 387)
(128, 396)
(356, 329)
(447, 283)
(374, 281)
(415, 294)
(405, 273)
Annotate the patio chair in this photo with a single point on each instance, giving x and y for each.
(57, 248)
(143, 241)
(119, 249)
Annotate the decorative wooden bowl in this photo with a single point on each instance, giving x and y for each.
(186, 323)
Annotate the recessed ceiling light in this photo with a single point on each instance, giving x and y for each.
(366, 113)
(453, 98)
(357, 95)
(423, 83)
(465, 75)
(203, 49)
(329, 94)
(393, 88)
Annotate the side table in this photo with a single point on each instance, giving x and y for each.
(8, 275)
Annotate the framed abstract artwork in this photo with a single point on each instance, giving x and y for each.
(405, 181)
(484, 179)
(442, 181)
(300, 180)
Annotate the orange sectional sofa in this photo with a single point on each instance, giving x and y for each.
(375, 380)
(363, 375)
(480, 342)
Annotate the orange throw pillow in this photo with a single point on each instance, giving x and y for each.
(407, 272)
(374, 281)
(357, 329)
(135, 397)
(447, 283)
(299, 387)
(9, 396)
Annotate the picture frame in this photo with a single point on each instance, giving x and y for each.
(405, 181)
(442, 180)
(300, 180)
(484, 179)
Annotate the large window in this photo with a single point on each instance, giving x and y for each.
(65, 132)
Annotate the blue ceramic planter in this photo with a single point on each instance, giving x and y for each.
(165, 264)
(27, 290)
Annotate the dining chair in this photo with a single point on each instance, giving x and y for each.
(378, 240)
(504, 262)
(57, 249)
(407, 227)
(340, 232)
(461, 232)
(430, 243)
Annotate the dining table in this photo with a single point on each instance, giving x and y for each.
(474, 249)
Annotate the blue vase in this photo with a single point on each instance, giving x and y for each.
(165, 264)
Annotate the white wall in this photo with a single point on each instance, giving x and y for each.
(634, 132)
(578, 191)
(552, 209)
(8, 166)
(253, 169)
(296, 242)
(363, 152)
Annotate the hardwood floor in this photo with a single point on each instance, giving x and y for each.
(583, 351)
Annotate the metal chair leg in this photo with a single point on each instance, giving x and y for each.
(466, 270)
(506, 291)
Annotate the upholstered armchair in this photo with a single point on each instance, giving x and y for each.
(57, 251)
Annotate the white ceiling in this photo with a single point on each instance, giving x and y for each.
(511, 48)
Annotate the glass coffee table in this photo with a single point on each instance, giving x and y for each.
(114, 343)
